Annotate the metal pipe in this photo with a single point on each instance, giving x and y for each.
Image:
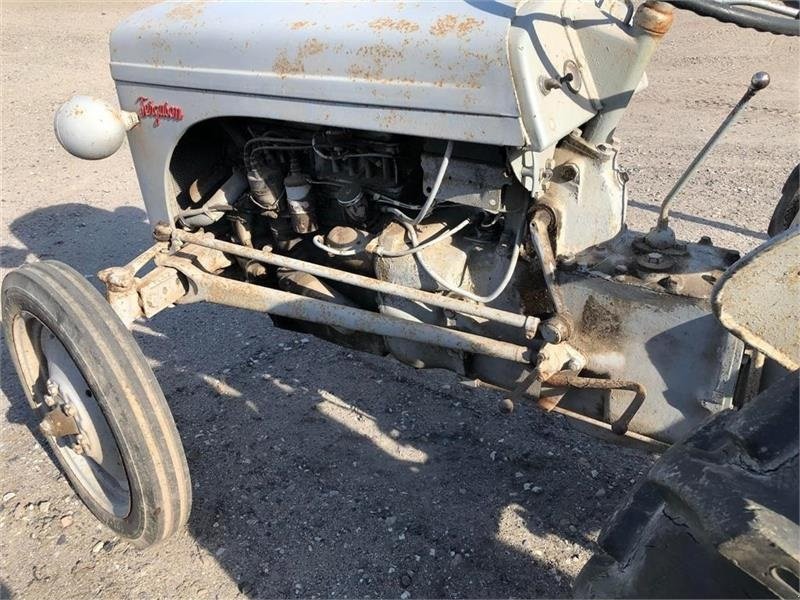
(540, 236)
(525, 322)
(220, 290)
(758, 82)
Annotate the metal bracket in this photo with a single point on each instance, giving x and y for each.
(59, 422)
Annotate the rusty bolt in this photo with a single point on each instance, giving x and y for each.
(569, 172)
(46, 428)
(162, 231)
(69, 410)
(50, 400)
(117, 279)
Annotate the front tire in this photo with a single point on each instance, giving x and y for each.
(122, 453)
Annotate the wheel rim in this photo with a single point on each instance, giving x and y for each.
(92, 457)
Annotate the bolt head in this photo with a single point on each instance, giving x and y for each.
(759, 80)
(654, 257)
(52, 387)
(550, 333)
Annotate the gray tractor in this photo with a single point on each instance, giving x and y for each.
(439, 183)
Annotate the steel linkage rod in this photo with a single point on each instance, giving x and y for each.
(528, 323)
(229, 292)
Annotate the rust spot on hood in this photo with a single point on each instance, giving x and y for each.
(186, 11)
(444, 25)
(401, 25)
(284, 65)
(448, 24)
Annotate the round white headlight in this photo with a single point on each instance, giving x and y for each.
(91, 128)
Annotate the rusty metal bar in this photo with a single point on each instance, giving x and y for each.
(572, 380)
(220, 290)
(632, 435)
(525, 322)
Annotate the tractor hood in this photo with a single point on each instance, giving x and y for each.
(443, 56)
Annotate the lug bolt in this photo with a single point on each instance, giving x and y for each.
(69, 410)
(52, 387)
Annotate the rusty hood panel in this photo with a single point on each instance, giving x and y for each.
(444, 56)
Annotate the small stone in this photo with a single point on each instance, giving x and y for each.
(390, 521)
(601, 492)
(536, 489)
(304, 340)
(526, 486)
(220, 551)
(405, 580)
(457, 560)
(493, 454)
(98, 547)
(66, 521)
(44, 506)
(9, 496)
(394, 434)
(594, 473)
(506, 406)
(519, 475)
(432, 552)
(405, 595)
(401, 537)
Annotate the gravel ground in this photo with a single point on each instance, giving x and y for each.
(320, 472)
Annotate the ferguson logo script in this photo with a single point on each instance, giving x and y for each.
(147, 108)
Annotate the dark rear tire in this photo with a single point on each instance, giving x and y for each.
(72, 353)
(788, 206)
(716, 517)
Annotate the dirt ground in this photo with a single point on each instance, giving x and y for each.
(419, 487)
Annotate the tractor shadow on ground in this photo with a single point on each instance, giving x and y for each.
(318, 471)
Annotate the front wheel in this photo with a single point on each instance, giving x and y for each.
(98, 403)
